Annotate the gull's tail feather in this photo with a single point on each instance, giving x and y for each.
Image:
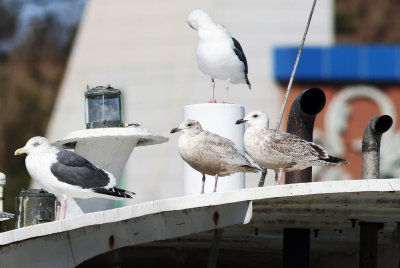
(5, 215)
(117, 192)
(247, 82)
(248, 168)
(333, 161)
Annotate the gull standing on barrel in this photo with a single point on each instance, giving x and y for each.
(68, 174)
(281, 151)
(219, 55)
(209, 153)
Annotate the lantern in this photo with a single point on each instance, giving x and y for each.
(103, 107)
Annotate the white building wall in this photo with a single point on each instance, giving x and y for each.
(146, 49)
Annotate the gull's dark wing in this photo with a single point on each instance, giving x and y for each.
(239, 52)
(76, 170)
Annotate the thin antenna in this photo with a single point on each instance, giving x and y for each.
(289, 87)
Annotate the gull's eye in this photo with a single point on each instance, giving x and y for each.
(36, 144)
(255, 116)
(189, 125)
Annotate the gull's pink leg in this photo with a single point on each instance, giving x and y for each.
(216, 182)
(65, 207)
(58, 209)
(204, 182)
(278, 176)
(213, 88)
(226, 91)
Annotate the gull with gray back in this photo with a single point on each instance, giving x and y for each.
(68, 174)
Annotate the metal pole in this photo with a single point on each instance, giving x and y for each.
(2, 183)
(296, 242)
(368, 257)
(296, 247)
(213, 256)
(289, 87)
(262, 178)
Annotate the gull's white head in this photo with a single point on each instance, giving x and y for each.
(198, 18)
(255, 119)
(188, 126)
(34, 145)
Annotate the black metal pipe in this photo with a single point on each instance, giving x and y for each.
(296, 242)
(368, 257)
(301, 119)
(296, 248)
(371, 144)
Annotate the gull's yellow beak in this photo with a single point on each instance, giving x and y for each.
(20, 151)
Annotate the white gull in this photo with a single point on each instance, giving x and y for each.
(68, 174)
(219, 55)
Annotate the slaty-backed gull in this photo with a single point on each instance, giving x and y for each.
(68, 174)
(210, 153)
(281, 151)
(219, 55)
